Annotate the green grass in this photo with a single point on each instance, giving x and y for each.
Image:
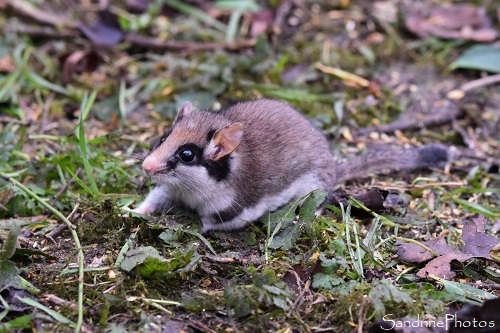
(67, 158)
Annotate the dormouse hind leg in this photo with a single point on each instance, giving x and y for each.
(157, 200)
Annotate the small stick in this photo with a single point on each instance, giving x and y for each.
(64, 188)
(140, 40)
(484, 81)
(298, 300)
(202, 327)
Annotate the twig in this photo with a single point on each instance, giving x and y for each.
(59, 301)
(38, 31)
(225, 260)
(61, 227)
(64, 188)
(54, 233)
(484, 81)
(81, 258)
(90, 217)
(409, 240)
(202, 327)
(24, 8)
(299, 298)
(185, 45)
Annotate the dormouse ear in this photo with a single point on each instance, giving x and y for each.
(185, 109)
(225, 141)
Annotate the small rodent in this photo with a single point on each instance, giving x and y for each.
(234, 165)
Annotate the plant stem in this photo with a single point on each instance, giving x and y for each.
(70, 226)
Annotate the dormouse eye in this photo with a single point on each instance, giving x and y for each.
(187, 156)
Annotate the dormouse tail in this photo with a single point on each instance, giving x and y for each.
(429, 156)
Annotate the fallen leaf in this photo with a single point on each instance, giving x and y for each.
(477, 244)
(456, 21)
(7, 64)
(79, 62)
(137, 6)
(137, 256)
(105, 30)
(414, 253)
(441, 266)
(262, 22)
(295, 278)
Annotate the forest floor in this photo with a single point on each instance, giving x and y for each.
(86, 88)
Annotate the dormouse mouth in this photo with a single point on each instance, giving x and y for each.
(161, 177)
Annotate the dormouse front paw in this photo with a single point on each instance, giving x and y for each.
(141, 210)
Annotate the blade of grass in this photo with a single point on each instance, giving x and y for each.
(6, 308)
(241, 5)
(86, 105)
(349, 224)
(56, 315)
(11, 80)
(385, 221)
(39, 81)
(121, 102)
(474, 207)
(71, 228)
(199, 14)
(232, 27)
(79, 181)
(203, 239)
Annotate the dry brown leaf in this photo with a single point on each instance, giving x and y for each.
(7, 64)
(477, 244)
(456, 21)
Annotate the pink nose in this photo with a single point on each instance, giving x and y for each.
(150, 167)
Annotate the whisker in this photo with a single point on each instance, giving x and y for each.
(207, 198)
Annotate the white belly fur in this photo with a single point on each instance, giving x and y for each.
(294, 191)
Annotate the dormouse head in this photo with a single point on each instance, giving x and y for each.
(199, 147)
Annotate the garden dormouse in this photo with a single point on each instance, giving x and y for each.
(253, 157)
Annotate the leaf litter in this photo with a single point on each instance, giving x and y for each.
(477, 244)
(316, 273)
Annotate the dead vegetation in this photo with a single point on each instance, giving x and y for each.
(85, 87)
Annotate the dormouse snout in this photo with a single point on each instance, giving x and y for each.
(150, 166)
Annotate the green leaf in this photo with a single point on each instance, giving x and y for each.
(9, 275)
(471, 294)
(170, 236)
(138, 255)
(238, 301)
(326, 281)
(152, 266)
(17, 323)
(385, 292)
(287, 231)
(9, 247)
(480, 57)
